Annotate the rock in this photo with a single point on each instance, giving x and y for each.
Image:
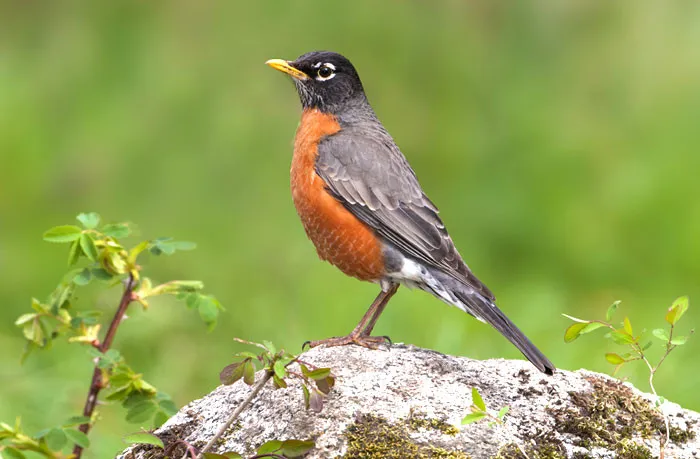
(407, 402)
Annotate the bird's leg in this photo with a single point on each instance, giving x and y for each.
(360, 334)
(382, 299)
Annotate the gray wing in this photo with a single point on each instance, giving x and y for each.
(373, 180)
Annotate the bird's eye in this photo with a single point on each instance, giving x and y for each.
(325, 72)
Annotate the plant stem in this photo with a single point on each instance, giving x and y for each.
(258, 387)
(96, 383)
(652, 372)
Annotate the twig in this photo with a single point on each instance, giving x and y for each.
(652, 373)
(96, 383)
(258, 387)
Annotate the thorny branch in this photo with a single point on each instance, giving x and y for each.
(96, 385)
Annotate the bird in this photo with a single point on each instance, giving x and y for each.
(363, 208)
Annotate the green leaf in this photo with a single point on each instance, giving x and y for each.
(119, 380)
(574, 331)
(76, 420)
(319, 373)
(270, 346)
(4, 427)
(502, 412)
(120, 394)
(611, 310)
(168, 406)
(67, 233)
(101, 274)
(614, 358)
(590, 327)
(12, 453)
(192, 300)
(83, 277)
(137, 398)
(74, 252)
(307, 396)
(40, 434)
(144, 438)
(187, 285)
(116, 230)
(473, 417)
(661, 334)
(55, 439)
(34, 332)
(38, 307)
(24, 318)
(279, 382)
(141, 412)
(159, 419)
(94, 352)
(679, 340)
(296, 448)
(477, 400)
(112, 355)
(677, 309)
(208, 310)
(279, 369)
(249, 373)
(183, 245)
(168, 246)
(89, 220)
(87, 243)
(646, 346)
(77, 437)
(269, 447)
(621, 337)
(136, 251)
(627, 325)
(61, 296)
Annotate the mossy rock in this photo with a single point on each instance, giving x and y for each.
(372, 437)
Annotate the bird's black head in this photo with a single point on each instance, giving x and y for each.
(324, 80)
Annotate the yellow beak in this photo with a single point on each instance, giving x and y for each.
(283, 66)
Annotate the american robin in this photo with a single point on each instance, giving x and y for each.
(363, 208)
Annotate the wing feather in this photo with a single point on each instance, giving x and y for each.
(370, 176)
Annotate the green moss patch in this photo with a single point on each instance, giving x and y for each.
(373, 437)
(417, 421)
(544, 448)
(611, 416)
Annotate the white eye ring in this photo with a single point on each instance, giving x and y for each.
(323, 69)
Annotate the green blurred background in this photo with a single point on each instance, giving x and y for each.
(560, 140)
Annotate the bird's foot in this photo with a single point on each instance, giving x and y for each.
(370, 342)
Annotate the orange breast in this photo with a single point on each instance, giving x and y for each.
(338, 235)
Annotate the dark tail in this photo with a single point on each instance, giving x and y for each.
(482, 308)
